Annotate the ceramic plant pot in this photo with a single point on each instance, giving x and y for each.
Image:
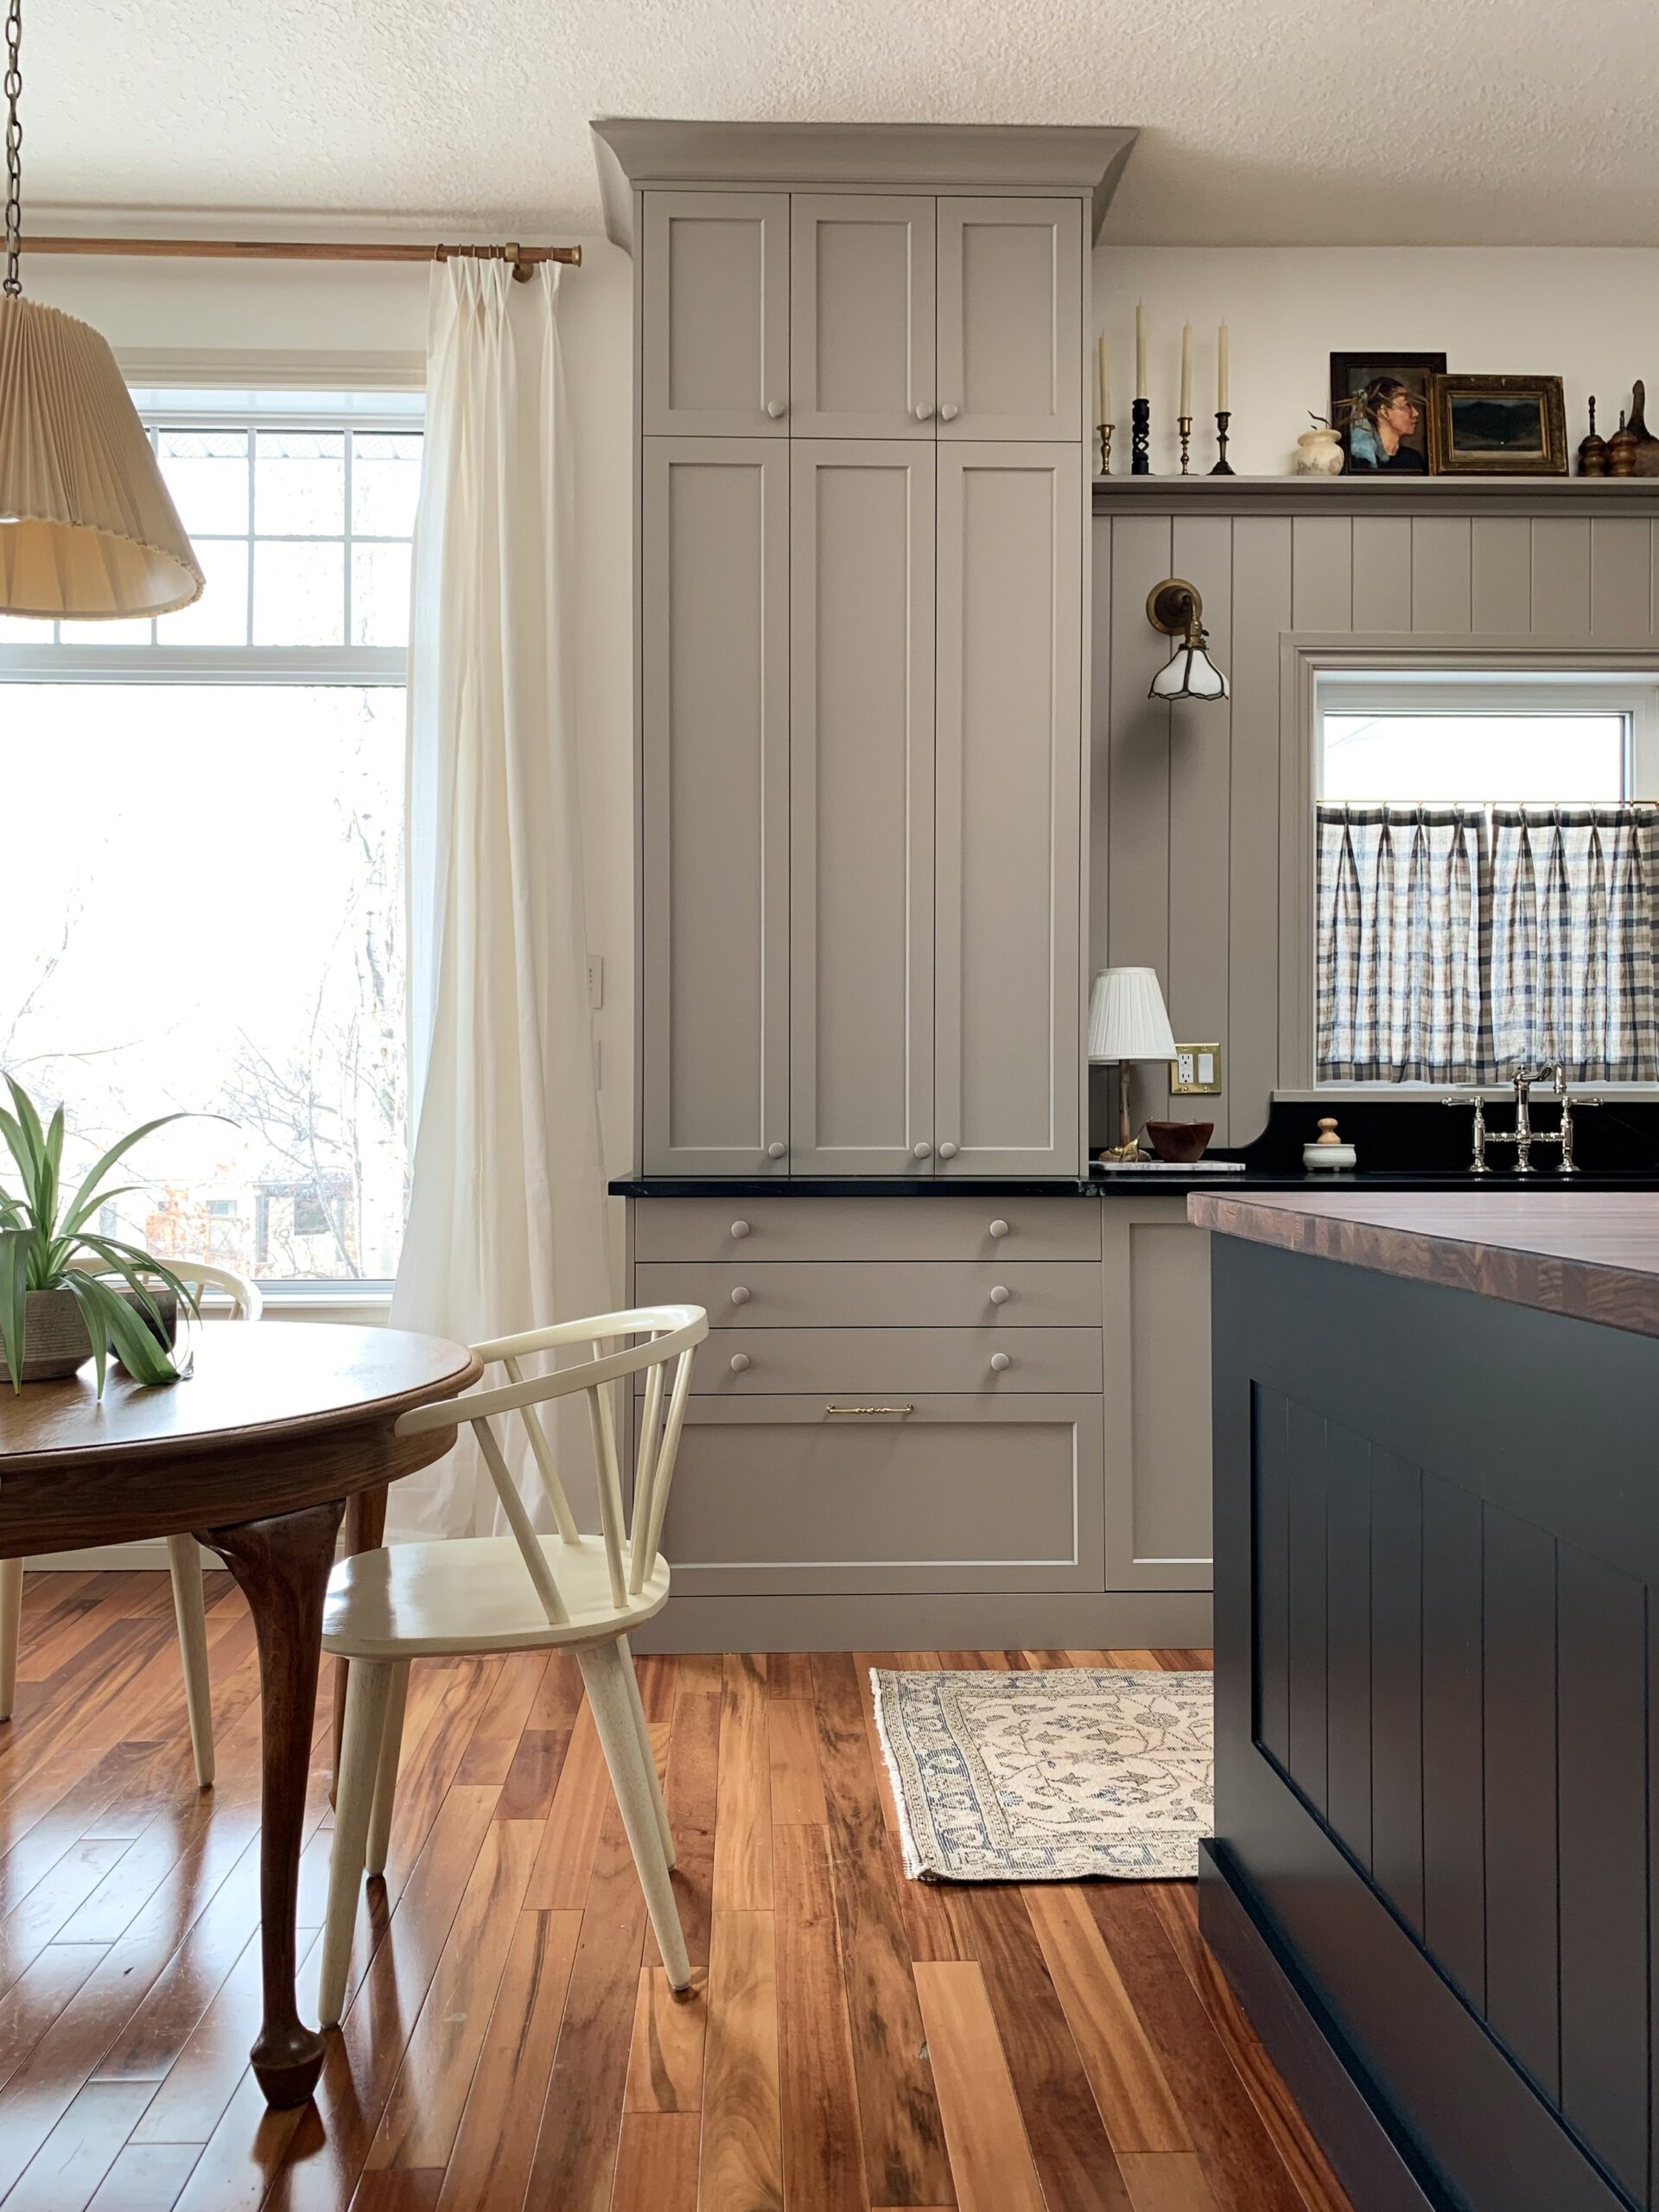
(55, 1340)
(1318, 453)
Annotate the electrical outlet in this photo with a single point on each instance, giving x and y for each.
(1196, 1068)
(596, 980)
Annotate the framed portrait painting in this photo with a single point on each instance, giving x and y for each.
(1379, 403)
(1496, 426)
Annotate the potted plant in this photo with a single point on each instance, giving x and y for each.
(58, 1304)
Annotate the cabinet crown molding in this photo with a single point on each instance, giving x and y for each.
(634, 151)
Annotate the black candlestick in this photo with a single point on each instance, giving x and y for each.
(1139, 421)
(1223, 466)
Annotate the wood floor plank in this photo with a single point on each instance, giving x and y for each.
(888, 1662)
(570, 1837)
(692, 1792)
(1069, 2144)
(489, 1750)
(1134, 2097)
(417, 2128)
(700, 1674)
(1166, 2181)
(38, 1996)
(823, 2144)
(66, 2171)
(905, 2156)
(532, 1778)
(1303, 2159)
(146, 2177)
(789, 1675)
(743, 1834)
(797, 1777)
(657, 2163)
(1176, 1904)
(741, 2165)
(489, 2166)
(991, 2163)
(666, 2054)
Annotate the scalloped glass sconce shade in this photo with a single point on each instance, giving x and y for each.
(1189, 673)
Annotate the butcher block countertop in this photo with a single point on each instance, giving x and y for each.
(1591, 1255)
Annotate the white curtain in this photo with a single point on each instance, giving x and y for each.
(506, 1222)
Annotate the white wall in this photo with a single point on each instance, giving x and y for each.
(1591, 315)
(267, 310)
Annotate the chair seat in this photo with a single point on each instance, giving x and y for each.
(473, 1594)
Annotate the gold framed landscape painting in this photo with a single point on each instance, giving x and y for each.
(1496, 426)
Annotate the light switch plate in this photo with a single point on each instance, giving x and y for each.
(1196, 1070)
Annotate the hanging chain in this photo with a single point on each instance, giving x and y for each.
(13, 87)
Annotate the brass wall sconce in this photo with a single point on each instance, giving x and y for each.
(1175, 608)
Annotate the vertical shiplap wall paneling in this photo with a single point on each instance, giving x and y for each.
(1501, 567)
(1322, 572)
(1382, 572)
(1441, 582)
(1262, 602)
(1100, 808)
(1137, 898)
(1621, 587)
(1200, 791)
(1560, 576)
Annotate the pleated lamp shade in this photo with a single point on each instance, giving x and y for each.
(1127, 1019)
(87, 530)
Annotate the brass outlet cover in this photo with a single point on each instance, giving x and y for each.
(1203, 1061)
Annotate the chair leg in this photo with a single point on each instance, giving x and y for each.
(604, 1670)
(386, 1776)
(184, 1561)
(12, 1621)
(367, 1693)
(642, 1728)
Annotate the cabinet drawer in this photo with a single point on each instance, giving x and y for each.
(896, 1364)
(963, 1493)
(957, 1228)
(878, 1293)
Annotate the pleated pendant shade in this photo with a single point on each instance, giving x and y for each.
(87, 528)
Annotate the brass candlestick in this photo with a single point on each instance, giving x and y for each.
(1184, 424)
(1139, 421)
(1105, 430)
(1223, 466)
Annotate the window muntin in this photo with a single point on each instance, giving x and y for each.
(210, 916)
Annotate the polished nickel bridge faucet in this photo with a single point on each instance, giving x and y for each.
(1524, 1137)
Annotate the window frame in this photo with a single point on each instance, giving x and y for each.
(1366, 670)
(253, 406)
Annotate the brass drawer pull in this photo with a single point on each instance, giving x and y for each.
(869, 1409)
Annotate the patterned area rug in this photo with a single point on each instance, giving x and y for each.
(1049, 1777)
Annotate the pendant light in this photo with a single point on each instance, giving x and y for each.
(87, 530)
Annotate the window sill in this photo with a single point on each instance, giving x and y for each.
(1431, 1093)
(368, 1304)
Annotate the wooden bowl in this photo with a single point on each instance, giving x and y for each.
(1180, 1142)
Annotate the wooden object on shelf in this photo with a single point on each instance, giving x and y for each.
(1645, 457)
(1621, 449)
(1592, 450)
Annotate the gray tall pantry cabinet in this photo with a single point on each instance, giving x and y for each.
(863, 479)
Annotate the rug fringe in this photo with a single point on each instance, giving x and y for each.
(908, 1841)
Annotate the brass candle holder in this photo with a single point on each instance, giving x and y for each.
(1223, 466)
(1184, 424)
(1140, 424)
(1105, 431)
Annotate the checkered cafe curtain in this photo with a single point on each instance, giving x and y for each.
(1400, 945)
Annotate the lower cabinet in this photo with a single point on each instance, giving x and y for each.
(1156, 1308)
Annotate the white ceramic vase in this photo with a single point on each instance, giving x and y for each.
(1318, 453)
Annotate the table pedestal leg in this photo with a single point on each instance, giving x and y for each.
(282, 1567)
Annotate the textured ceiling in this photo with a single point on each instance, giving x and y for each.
(1432, 122)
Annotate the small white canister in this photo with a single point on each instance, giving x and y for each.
(1329, 1152)
(1318, 453)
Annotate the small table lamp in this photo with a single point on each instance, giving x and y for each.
(1128, 1022)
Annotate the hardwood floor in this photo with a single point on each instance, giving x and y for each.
(855, 2042)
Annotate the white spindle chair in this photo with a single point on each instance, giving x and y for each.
(183, 1559)
(522, 1592)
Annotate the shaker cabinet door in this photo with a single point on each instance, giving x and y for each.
(861, 807)
(715, 323)
(1008, 1021)
(1010, 317)
(862, 292)
(714, 707)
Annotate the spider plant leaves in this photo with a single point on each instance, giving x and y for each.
(112, 1321)
(13, 1293)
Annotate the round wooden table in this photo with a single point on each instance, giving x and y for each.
(256, 1454)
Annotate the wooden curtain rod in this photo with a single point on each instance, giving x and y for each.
(523, 258)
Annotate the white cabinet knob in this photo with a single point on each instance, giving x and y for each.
(739, 1229)
(998, 1293)
(740, 1295)
(923, 411)
(923, 1150)
(1000, 1363)
(776, 1150)
(947, 1150)
(777, 409)
(949, 411)
(998, 1229)
(740, 1361)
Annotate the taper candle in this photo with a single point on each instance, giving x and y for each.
(1221, 369)
(1186, 368)
(1105, 414)
(1140, 351)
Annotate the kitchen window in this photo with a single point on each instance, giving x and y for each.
(1487, 875)
(201, 901)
